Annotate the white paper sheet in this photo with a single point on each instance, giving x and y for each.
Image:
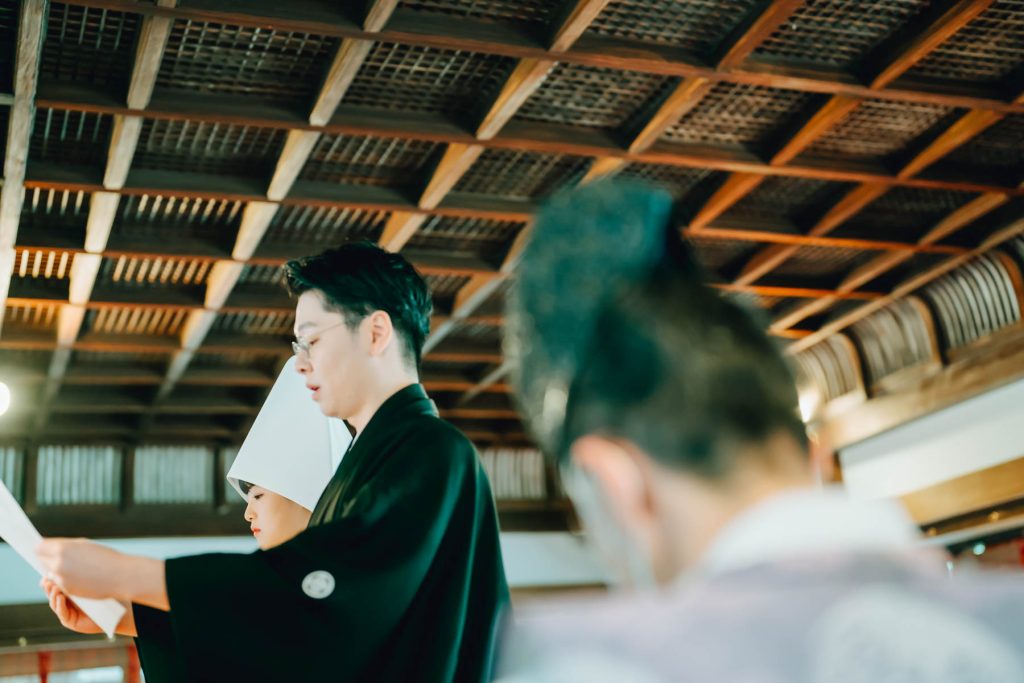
(21, 535)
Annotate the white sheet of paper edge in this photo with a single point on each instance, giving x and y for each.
(21, 535)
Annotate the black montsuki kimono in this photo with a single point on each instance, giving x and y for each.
(398, 578)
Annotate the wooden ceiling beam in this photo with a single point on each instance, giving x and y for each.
(31, 31)
(417, 28)
(927, 35)
(534, 137)
(124, 138)
(883, 263)
(459, 157)
(743, 234)
(770, 258)
(756, 28)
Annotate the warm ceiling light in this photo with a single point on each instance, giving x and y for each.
(5, 398)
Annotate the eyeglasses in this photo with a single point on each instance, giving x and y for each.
(300, 347)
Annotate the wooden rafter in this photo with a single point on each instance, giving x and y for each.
(533, 137)
(883, 263)
(413, 28)
(927, 35)
(31, 30)
(103, 205)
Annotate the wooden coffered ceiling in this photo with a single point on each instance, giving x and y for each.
(164, 158)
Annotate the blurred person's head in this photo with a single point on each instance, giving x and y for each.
(362, 317)
(666, 405)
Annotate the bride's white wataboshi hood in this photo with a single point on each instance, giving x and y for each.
(292, 448)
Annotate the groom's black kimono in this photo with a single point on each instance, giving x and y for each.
(398, 578)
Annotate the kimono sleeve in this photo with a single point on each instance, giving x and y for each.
(328, 600)
(155, 644)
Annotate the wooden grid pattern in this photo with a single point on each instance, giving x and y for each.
(987, 50)
(592, 97)
(903, 214)
(838, 33)
(522, 175)
(214, 148)
(272, 324)
(135, 320)
(797, 199)
(307, 227)
(878, 129)
(644, 93)
(482, 238)
(536, 12)
(89, 45)
(363, 160)
(739, 116)
(698, 26)
(70, 137)
(422, 79)
(147, 273)
(277, 66)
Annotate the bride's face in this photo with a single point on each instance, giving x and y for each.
(273, 519)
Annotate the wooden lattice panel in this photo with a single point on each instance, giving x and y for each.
(263, 276)
(62, 212)
(987, 50)
(70, 137)
(44, 264)
(304, 230)
(140, 213)
(423, 79)
(740, 116)
(697, 26)
(362, 160)
(879, 129)
(997, 152)
(89, 45)
(481, 238)
(838, 33)
(903, 214)
(719, 256)
(796, 200)
(135, 320)
(272, 65)
(681, 181)
(266, 324)
(34, 318)
(532, 12)
(141, 273)
(593, 97)
(822, 262)
(522, 175)
(204, 147)
(445, 286)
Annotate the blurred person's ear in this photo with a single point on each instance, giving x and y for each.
(823, 459)
(622, 479)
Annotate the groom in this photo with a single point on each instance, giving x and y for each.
(399, 576)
